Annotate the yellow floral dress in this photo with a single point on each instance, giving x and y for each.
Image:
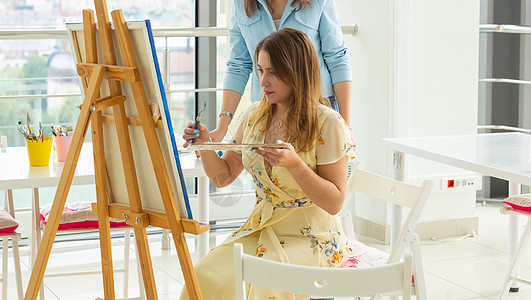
(285, 225)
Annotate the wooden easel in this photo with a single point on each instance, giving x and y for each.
(134, 214)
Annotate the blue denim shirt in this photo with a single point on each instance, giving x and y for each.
(320, 22)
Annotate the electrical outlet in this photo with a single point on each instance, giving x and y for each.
(461, 183)
(451, 181)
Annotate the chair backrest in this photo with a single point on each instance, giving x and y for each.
(395, 192)
(320, 282)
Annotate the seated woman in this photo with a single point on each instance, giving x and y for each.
(300, 187)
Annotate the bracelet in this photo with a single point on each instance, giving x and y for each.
(227, 113)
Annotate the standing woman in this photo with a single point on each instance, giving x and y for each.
(252, 20)
(299, 188)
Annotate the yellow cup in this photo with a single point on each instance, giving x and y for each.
(39, 151)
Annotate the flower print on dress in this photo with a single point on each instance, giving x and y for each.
(337, 257)
(258, 198)
(260, 250)
(240, 230)
(257, 182)
(256, 169)
(321, 141)
(347, 146)
(270, 195)
(330, 247)
(292, 203)
(275, 181)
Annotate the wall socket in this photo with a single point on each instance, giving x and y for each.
(466, 181)
(461, 183)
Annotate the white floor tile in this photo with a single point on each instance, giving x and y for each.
(453, 250)
(481, 274)
(442, 289)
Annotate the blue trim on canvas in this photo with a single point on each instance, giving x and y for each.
(168, 119)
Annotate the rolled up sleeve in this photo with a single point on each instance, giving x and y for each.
(239, 63)
(333, 46)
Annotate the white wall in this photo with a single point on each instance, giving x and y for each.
(369, 57)
(413, 82)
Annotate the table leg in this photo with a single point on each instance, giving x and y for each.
(204, 215)
(8, 203)
(166, 239)
(34, 224)
(396, 210)
(514, 189)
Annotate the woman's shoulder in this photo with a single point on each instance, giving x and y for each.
(325, 111)
(329, 116)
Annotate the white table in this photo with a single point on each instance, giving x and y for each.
(502, 155)
(16, 173)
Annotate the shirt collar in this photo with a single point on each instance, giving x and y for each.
(287, 11)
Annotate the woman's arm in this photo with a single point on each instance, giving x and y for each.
(336, 57)
(239, 66)
(221, 170)
(343, 91)
(231, 99)
(326, 188)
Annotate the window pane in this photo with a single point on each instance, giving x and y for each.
(37, 67)
(45, 67)
(48, 13)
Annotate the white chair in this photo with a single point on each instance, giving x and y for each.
(399, 193)
(512, 273)
(320, 282)
(14, 236)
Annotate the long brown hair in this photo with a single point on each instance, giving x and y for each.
(252, 5)
(294, 61)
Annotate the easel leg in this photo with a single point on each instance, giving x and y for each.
(146, 265)
(65, 182)
(89, 34)
(103, 212)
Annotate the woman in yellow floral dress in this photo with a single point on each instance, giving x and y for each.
(299, 188)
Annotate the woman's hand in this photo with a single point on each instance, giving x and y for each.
(195, 135)
(280, 157)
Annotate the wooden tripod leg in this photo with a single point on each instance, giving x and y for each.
(64, 186)
(155, 151)
(103, 204)
(100, 174)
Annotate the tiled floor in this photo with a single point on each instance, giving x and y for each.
(470, 268)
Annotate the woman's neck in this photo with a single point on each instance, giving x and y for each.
(276, 8)
(280, 110)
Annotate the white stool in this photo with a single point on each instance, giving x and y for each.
(7, 221)
(512, 273)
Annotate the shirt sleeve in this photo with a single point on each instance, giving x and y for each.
(333, 46)
(334, 141)
(240, 62)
